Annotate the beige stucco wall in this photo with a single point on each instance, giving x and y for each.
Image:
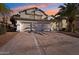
(30, 15)
(7, 18)
(64, 23)
(53, 26)
(58, 26)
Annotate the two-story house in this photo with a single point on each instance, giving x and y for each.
(32, 19)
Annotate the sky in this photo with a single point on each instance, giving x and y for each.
(48, 8)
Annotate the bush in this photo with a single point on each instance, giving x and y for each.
(63, 29)
(2, 29)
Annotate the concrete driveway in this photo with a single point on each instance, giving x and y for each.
(47, 43)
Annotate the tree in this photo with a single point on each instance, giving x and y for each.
(69, 11)
(13, 21)
(4, 11)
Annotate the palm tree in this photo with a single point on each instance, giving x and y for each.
(4, 11)
(69, 11)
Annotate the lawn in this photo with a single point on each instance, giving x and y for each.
(4, 38)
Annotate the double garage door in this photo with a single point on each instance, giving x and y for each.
(35, 27)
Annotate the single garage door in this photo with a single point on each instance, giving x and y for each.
(26, 26)
(42, 27)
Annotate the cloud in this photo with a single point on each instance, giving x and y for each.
(52, 11)
(41, 5)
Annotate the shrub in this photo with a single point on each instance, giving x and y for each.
(2, 29)
(63, 29)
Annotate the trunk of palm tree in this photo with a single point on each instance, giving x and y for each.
(61, 25)
(71, 27)
(67, 25)
(74, 26)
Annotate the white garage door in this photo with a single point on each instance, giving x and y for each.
(34, 27)
(26, 26)
(42, 27)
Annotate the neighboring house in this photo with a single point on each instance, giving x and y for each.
(6, 19)
(32, 19)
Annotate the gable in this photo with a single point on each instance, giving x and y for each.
(33, 13)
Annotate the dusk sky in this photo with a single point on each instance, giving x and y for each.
(48, 8)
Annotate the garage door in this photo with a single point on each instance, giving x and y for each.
(26, 26)
(42, 27)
